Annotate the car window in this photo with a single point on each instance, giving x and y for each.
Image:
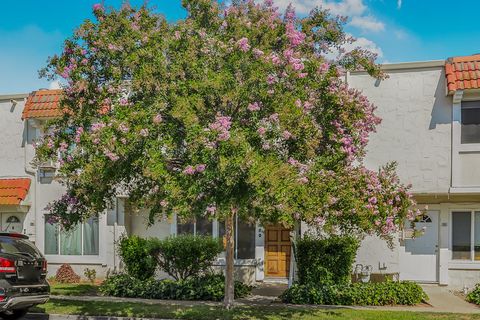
(18, 246)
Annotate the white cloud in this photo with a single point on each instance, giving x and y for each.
(55, 84)
(364, 43)
(367, 23)
(399, 4)
(343, 8)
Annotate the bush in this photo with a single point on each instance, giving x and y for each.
(205, 287)
(138, 255)
(474, 295)
(185, 256)
(325, 260)
(65, 274)
(368, 294)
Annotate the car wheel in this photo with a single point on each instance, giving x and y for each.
(13, 314)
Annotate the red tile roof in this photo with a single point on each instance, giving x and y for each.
(463, 73)
(43, 104)
(13, 191)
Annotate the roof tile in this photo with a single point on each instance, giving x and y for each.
(13, 191)
(43, 104)
(463, 73)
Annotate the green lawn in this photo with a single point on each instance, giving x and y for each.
(128, 309)
(73, 289)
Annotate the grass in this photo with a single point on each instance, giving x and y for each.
(129, 309)
(73, 289)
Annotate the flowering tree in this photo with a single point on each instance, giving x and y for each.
(233, 111)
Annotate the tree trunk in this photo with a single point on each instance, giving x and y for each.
(229, 272)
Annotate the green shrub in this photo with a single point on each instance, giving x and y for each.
(367, 294)
(325, 260)
(187, 256)
(138, 255)
(474, 295)
(205, 287)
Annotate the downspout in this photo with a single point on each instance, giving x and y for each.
(33, 174)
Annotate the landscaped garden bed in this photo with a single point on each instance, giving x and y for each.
(324, 275)
(188, 260)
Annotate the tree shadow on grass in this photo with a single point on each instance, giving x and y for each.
(172, 311)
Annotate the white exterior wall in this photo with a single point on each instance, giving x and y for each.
(416, 133)
(421, 132)
(416, 126)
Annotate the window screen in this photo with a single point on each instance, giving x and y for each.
(470, 132)
(461, 235)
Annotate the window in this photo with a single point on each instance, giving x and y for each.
(470, 132)
(81, 240)
(201, 226)
(466, 235)
(244, 238)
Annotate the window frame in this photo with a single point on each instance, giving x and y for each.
(464, 262)
(471, 104)
(216, 234)
(82, 246)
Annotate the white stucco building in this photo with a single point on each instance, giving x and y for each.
(430, 127)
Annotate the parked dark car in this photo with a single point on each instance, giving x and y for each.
(23, 272)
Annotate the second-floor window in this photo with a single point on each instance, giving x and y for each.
(470, 122)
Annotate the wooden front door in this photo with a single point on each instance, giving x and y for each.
(277, 251)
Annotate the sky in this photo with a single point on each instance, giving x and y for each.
(397, 30)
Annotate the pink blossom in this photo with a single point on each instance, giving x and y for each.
(112, 156)
(123, 128)
(286, 135)
(266, 146)
(211, 209)
(200, 168)
(303, 180)
(144, 132)
(50, 143)
(78, 134)
(275, 59)
(243, 44)
(323, 67)
(177, 35)
(273, 117)
(189, 170)
(271, 79)
(257, 52)
(302, 75)
(157, 119)
(97, 7)
(261, 131)
(254, 106)
(123, 101)
(295, 37)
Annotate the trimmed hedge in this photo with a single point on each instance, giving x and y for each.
(367, 294)
(325, 260)
(138, 255)
(187, 256)
(205, 287)
(474, 295)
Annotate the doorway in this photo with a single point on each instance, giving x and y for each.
(277, 251)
